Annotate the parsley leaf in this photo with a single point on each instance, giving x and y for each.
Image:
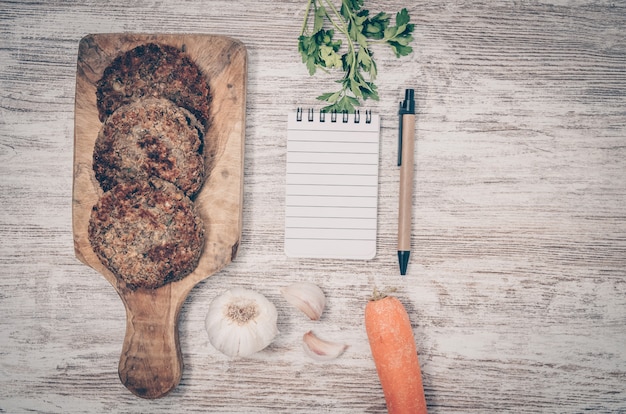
(320, 50)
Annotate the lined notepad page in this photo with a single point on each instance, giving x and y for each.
(332, 185)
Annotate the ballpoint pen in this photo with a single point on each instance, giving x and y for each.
(406, 145)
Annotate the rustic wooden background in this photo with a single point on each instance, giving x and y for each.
(517, 282)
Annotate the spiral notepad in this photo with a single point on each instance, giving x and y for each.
(332, 184)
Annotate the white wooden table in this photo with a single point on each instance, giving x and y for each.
(517, 283)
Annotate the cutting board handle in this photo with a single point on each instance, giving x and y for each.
(151, 363)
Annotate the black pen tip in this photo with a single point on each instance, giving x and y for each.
(403, 260)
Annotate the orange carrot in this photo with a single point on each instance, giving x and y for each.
(395, 355)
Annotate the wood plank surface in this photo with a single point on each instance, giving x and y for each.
(516, 287)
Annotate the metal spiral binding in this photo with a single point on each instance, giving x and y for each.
(333, 116)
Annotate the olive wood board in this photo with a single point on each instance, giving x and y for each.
(151, 362)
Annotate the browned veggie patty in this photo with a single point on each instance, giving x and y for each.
(150, 138)
(153, 70)
(147, 233)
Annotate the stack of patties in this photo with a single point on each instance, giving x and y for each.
(149, 159)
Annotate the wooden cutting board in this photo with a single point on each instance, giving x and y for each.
(151, 363)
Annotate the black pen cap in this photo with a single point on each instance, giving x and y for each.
(408, 105)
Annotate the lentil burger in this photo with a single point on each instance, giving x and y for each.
(150, 138)
(153, 70)
(147, 233)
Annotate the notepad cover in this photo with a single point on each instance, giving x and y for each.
(332, 185)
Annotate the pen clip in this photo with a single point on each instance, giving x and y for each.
(406, 107)
(400, 113)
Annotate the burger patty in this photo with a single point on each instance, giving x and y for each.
(147, 233)
(154, 70)
(150, 138)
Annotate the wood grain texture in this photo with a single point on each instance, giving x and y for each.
(516, 288)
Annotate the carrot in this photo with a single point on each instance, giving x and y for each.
(395, 355)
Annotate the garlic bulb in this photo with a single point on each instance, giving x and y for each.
(321, 350)
(241, 322)
(307, 297)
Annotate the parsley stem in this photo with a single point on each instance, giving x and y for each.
(344, 29)
(306, 17)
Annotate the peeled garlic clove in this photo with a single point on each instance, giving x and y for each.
(307, 297)
(241, 322)
(321, 350)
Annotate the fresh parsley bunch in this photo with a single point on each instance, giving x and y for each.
(320, 49)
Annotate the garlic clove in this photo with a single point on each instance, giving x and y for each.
(307, 297)
(241, 322)
(321, 350)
